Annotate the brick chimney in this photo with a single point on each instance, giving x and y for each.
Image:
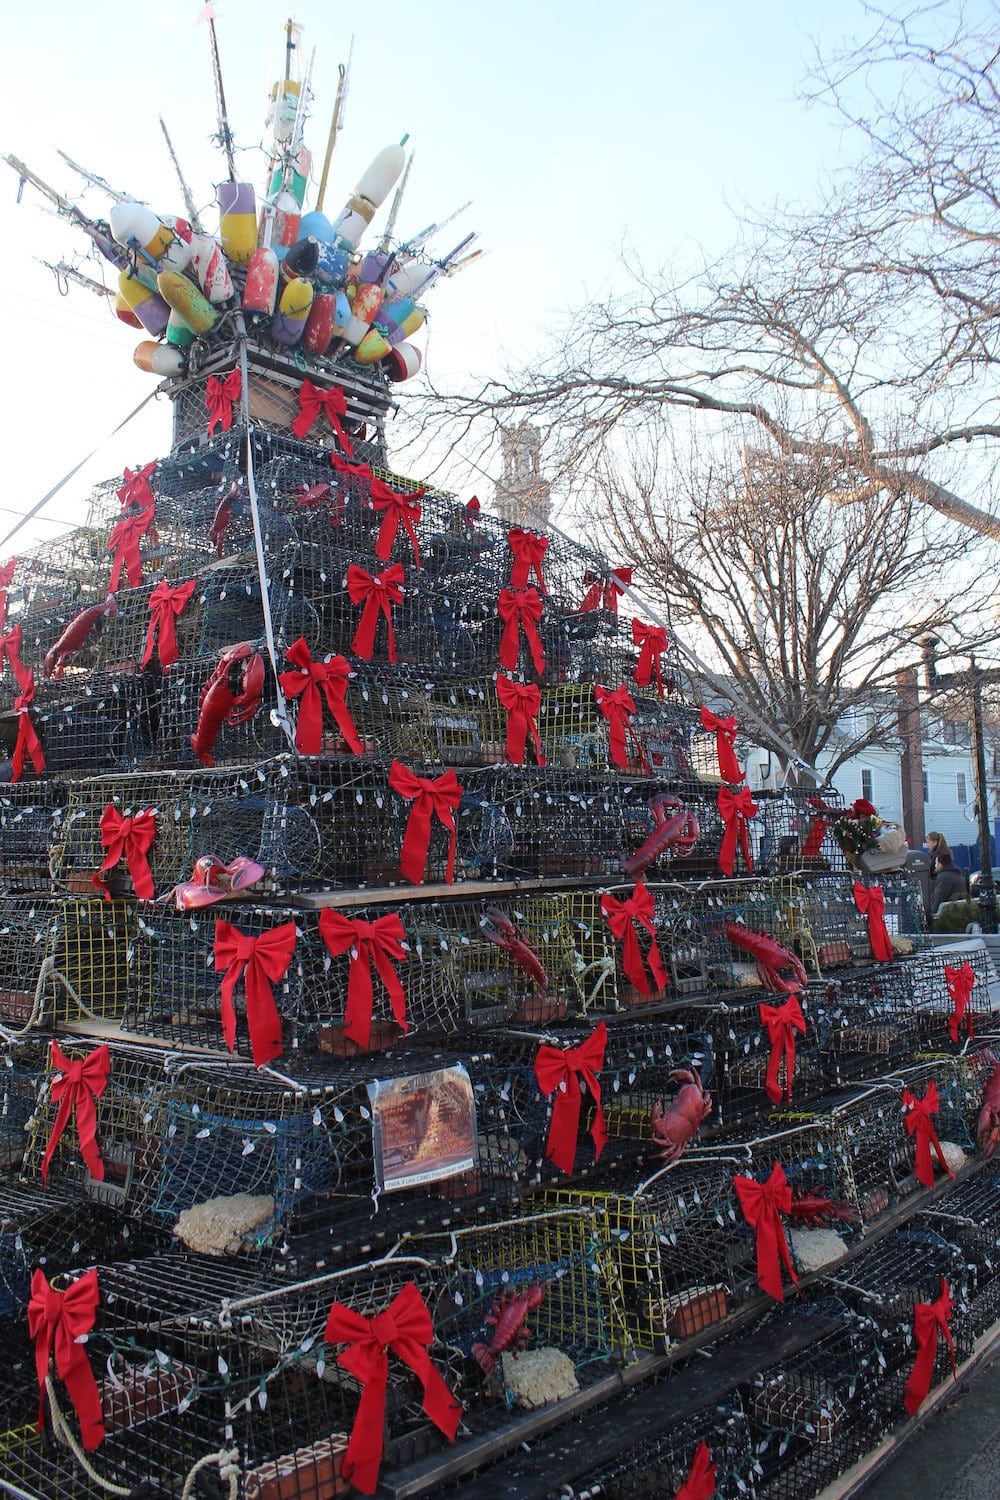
(912, 764)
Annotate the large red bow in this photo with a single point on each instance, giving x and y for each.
(652, 642)
(521, 701)
(379, 943)
(313, 400)
(725, 734)
(961, 983)
(870, 901)
(438, 798)
(166, 602)
(316, 680)
(605, 589)
(10, 652)
(621, 917)
(219, 398)
(80, 1084)
(556, 1071)
(529, 551)
(520, 609)
(929, 1320)
(618, 708)
(132, 837)
(378, 595)
(762, 1202)
(262, 961)
(59, 1323)
(917, 1114)
(135, 489)
(395, 507)
(27, 742)
(736, 808)
(700, 1483)
(406, 1328)
(823, 815)
(124, 544)
(781, 1022)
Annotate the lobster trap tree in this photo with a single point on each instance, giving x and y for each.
(864, 334)
(810, 606)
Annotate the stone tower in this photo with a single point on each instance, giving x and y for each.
(522, 495)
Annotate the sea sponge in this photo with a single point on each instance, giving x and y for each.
(219, 1226)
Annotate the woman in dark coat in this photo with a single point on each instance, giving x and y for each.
(948, 883)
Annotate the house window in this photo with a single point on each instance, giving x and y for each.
(927, 788)
(866, 785)
(960, 787)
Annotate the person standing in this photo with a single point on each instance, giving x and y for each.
(937, 848)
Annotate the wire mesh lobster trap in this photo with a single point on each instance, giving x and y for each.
(699, 915)
(969, 1216)
(751, 1061)
(89, 949)
(594, 958)
(249, 812)
(26, 926)
(932, 1001)
(884, 1283)
(789, 837)
(815, 1415)
(30, 816)
(957, 1080)
(823, 922)
(869, 1026)
(22, 1071)
(863, 1156)
(104, 722)
(187, 713)
(677, 1252)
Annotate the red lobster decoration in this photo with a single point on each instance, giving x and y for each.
(988, 1124)
(230, 696)
(770, 957)
(75, 635)
(498, 928)
(509, 1321)
(678, 833)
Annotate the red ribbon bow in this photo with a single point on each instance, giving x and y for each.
(314, 681)
(82, 1083)
(917, 1114)
(219, 398)
(725, 734)
(961, 983)
(762, 1202)
(124, 544)
(262, 961)
(520, 609)
(132, 837)
(521, 702)
(652, 642)
(378, 595)
(59, 1323)
(313, 400)
(618, 708)
(27, 742)
(870, 902)
(10, 652)
(700, 1483)
(823, 814)
(556, 1071)
(529, 551)
(379, 943)
(406, 1328)
(135, 488)
(604, 589)
(396, 507)
(929, 1320)
(438, 798)
(166, 602)
(621, 916)
(736, 808)
(781, 1022)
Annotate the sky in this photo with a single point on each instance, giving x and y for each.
(575, 127)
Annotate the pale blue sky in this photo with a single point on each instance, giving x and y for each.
(573, 127)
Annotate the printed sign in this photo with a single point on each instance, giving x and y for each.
(424, 1127)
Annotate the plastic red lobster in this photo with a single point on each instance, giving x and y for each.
(678, 833)
(673, 1128)
(509, 1321)
(230, 696)
(770, 958)
(988, 1125)
(74, 636)
(222, 517)
(813, 1208)
(497, 928)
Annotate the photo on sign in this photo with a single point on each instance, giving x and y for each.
(424, 1127)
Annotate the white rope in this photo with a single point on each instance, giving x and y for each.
(48, 970)
(64, 1434)
(229, 1470)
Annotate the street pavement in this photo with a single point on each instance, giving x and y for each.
(956, 1456)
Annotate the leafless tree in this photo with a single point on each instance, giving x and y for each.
(807, 605)
(869, 328)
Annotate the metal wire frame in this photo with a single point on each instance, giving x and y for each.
(932, 1002)
(782, 827)
(26, 934)
(969, 1216)
(30, 815)
(870, 1024)
(89, 944)
(695, 915)
(22, 1070)
(959, 1093)
(677, 1252)
(259, 738)
(743, 1053)
(94, 722)
(823, 922)
(815, 1415)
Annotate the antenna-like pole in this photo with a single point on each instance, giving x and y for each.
(225, 134)
(336, 123)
